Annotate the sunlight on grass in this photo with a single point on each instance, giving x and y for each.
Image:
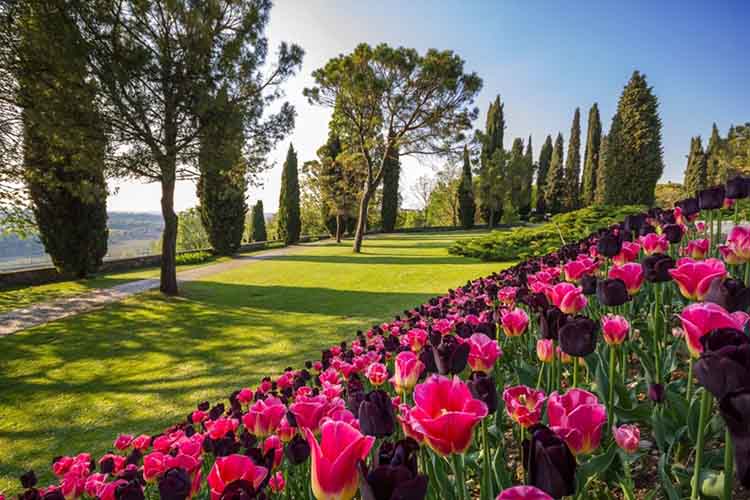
(140, 365)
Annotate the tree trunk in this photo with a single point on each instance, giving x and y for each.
(169, 236)
(362, 220)
(491, 222)
(338, 228)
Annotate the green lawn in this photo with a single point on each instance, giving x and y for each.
(140, 365)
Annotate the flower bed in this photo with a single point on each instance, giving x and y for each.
(536, 382)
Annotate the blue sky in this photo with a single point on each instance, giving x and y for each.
(543, 58)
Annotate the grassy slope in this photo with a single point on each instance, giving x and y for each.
(138, 366)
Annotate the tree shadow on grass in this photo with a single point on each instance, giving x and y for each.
(143, 364)
(371, 258)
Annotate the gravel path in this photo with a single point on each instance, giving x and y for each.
(44, 312)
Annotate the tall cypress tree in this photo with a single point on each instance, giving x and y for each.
(516, 178)
(64, 139)
(604, 177)
(492, 165)
(545, 156)
(553, 194)
(466, 205)
(222, 185)
(695, 171)
(571, 193)
(389, 205)
(528, 180)
(713, 152)
(289, 223)
(591, 160)
(259, 222)
(635, 145)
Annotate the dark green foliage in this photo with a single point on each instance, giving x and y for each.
(714, 174)
(389, 206)
(64, 141)
(545, 156)
(571, 193)
(492, 165)
(516, 175)
(695, 171)
(604, 172)
(591, 159)
(466, 205)
(193, 258)
(259, 222)
(223, 183)
(555, 185)
(635, 147)
(528, 178)
(289, 213)
(521, 243)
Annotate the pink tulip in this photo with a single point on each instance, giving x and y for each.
(483, 352)
(264, 416)
(631, 274)
(285, 431)
(416, 338)
(628, 437)
(515, 322)
(524, 404)
(567, 297)
(699, 319)
(308, 411)
(507, 295)
(523, 493)
(95, 484)
(578, 418)
(693, 277)
(220, 427)
(404, 417)
(614, 329)
(545, 350)
(123, 441)
(629, 253)
(277, 482)
(654, 243)
(232, 468)
(729, 256)
(696, 249)
(274, 443)
(738, 241)
(408, 370)
(377, 374)
(446, 413)
(334, 473)
(142, 442)
(574, 270)
(107, 490)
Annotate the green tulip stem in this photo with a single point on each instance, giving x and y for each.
(575, 371)
(736, 212)
(689, 392)
(458, 473)
(541, 374)
(700, 442)
(728, 465)
(611, 398)
(486, 483)
(747, 273)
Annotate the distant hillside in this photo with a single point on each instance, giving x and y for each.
(130, 234)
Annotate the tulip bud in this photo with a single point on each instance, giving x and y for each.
(376, 414)
(673, 232)
(689, 206)
(614, 329)
(544, 350)
(656, 393)
(483, 388)
(711, 198)
(578, 336)
(612, 292)
(628, 437)
(738, 188)
(730, 294)
(550, 465)
(297, 450)
(609, 244)
(656, 268)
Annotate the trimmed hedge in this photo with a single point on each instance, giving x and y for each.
(521, 243)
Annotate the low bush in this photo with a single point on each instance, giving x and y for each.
(192, 258)
(521, 243)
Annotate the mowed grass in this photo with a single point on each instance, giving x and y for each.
(143, 364)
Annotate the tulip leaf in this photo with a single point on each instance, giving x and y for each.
(666, 481)
(595, 465)
(602, 380)
(693, 415)
(527, 374)
(637, 413)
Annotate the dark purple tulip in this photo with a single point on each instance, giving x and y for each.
(392, 482)
(738, 188)
(483, 388)
(578, 336)
(131, 490)
(297, 451)
(28, 479)
(656, 268)
(730, 294)
(55, 494)
(656, 393)
(673, 233)
(174, 485)
(30, 494)
(376, 414)
(612, 292)
(588, 284)
(724, 370)
(667, 217)
(634, 222)
(735, 409)
(609, 244)
(646, 229)
(402, 452)
(711, 198)
(551, 321)
(689, 206)
(240, 489)
(723, 337)
(428, 358)
(204, 406)
(450, 356)
(550, 465)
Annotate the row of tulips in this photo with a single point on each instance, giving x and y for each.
(536, 382)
